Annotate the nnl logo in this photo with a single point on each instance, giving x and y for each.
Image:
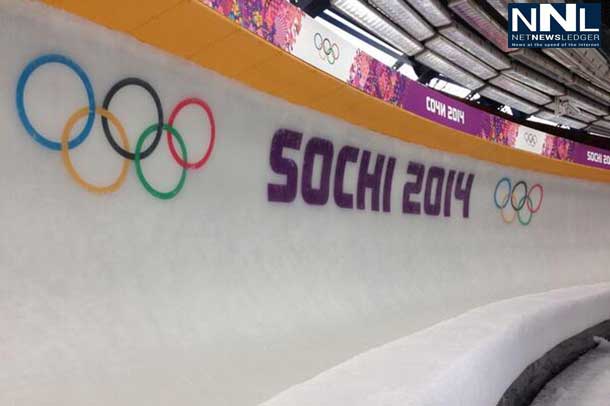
(554, 25)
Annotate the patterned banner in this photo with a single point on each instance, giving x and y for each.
(290, 29)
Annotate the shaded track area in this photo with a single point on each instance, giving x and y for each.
(584, 383)
(533, 379)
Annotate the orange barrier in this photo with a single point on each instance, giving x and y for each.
(190, 29)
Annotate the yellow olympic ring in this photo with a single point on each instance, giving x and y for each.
(506, 220)
(66, 155)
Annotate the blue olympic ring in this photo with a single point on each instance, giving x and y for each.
(25, 75)
(510, 188)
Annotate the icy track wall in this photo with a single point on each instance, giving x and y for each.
(300, 242)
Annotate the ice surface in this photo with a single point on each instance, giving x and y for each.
(220, 297)
(469, 360)
(584, 383)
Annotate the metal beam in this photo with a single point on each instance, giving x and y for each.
(312, 7)
(339, 24)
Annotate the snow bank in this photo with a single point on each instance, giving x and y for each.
(469, 360)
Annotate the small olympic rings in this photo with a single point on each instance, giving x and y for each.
(518, 202)
(328, 51)
(122, 148)
(531, 139)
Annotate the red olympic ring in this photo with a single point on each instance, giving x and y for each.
(170, 138)
(529, 201)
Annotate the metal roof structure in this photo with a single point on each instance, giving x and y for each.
(464, 42)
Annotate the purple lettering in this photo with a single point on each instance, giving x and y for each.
(387, 185)
(435, 173)
(463, 192)
(413, 188)
(448, 195)
(324, 148)
(368, 180)
(428, 190)
(284, 166)
(346, 154)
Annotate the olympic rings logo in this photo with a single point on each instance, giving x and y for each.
(531, 140)
(519, 199)
(328, 51)
(123, 147)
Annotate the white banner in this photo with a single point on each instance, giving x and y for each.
(530, 140)
(324, 49)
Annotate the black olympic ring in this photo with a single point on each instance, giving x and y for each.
(106, 104)
(329, 51)
(518, 203)
(522, 200)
